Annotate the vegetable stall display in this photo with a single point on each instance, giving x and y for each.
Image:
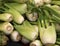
(33, 22)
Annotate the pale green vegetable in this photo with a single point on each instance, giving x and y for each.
(15, 36)
(32, 16)
(56, 8)
(36, 43)
(6, 17)
(27, 30)
(54, 12)
(22, 8)
(6, 27)
(48, 34)
(17, 17)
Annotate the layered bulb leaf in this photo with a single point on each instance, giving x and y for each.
(27, 30)
(48, 34)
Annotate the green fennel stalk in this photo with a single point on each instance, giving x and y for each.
(17, 17)
(27, 30)
(6, 17)
(22, 8)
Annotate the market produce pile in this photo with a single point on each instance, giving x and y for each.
(36, 22)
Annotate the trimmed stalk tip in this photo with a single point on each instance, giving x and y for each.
(32, 16)
(36, 43)
(15, 36)
(6, 27)
(6, 17)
